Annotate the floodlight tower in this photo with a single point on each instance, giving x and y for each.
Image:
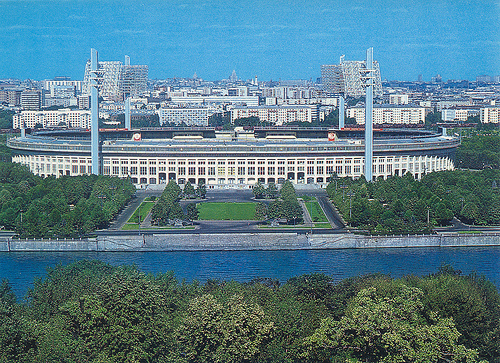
(95, 81)
(128, 124)
(341, 111)
(367, 77)
(341, 103)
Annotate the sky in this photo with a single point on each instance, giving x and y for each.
(41, 39)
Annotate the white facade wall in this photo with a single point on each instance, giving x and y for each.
(222, 171)
(490, 115)
(449, 115)
(389, 115)
(247, 100)
(398, 99)
(278, 115)
(190, 116)
(71, 118)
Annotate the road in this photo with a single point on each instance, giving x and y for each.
(230, 196)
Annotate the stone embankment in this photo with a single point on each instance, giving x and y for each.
(247, 241)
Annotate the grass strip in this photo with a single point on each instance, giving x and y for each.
(226, 211)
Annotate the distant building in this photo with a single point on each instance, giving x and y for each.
(458, 114)
(31, 100)
(207, 100)
(55, 118)
(390, 114)
(11, 97)
(277, 115)
(347, 78)
(190, 116)
(398, 99)
(50, 84)
(490, 114)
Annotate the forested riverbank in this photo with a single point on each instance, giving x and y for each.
(91, 311)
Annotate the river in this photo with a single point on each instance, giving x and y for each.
(21, 268)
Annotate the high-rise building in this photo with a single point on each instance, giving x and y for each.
(31, 100)
(347, 78)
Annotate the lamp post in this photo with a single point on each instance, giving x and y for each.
(139, 215)
(350, 195)
(336, 178)
(343, 187)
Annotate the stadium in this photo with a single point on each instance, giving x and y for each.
(234, 159)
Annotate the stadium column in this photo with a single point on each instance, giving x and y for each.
(127, 114)
(94, 112)
(341, 112)
(369, 116)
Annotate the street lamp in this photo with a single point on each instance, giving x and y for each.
(343, 187)
(350, 195)
(336, 178)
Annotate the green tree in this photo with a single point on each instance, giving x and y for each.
(271, 191)
(258, 191)
(390, 327)
(260, 211)
(192, 212)
(201, 190)
(216, 332)
(189, 191)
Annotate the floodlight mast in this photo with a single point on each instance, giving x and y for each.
(94, 111)
(368, 77)
(341, 112)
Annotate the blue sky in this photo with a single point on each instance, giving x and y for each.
(40, 39)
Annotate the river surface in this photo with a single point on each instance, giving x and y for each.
(21, 268)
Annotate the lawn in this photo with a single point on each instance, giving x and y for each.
(316, 212)
(226, 211)
(145, 208)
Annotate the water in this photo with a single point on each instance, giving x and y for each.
(21, 268)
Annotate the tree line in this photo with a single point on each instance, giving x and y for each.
(479, 151)
(38, 207)
(284, 206)
(89, 311)
(168, 208)
(405, 205)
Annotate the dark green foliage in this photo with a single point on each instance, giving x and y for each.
(258, 191)
(63, 207)
(189, 191)
(404, 205)
(192, 212)
(91, 311)
(6, 119)
(479, 152)
(260, 211)
(167, 207)
(287, 206)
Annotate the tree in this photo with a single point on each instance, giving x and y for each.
(189, 191)
(260, 211)
(234, 331)
(201, 190)
(192, 211)
(388, 327)
(272, 191)
(258, 191)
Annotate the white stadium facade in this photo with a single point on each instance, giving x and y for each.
(234, 159)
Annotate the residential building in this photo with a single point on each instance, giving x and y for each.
(390, 114)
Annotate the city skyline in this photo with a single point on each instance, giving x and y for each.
(41, 40)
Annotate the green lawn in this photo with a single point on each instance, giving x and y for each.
(226, 211)
(316, 212)
(145, 208)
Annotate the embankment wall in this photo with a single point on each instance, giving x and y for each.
(247, 241)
